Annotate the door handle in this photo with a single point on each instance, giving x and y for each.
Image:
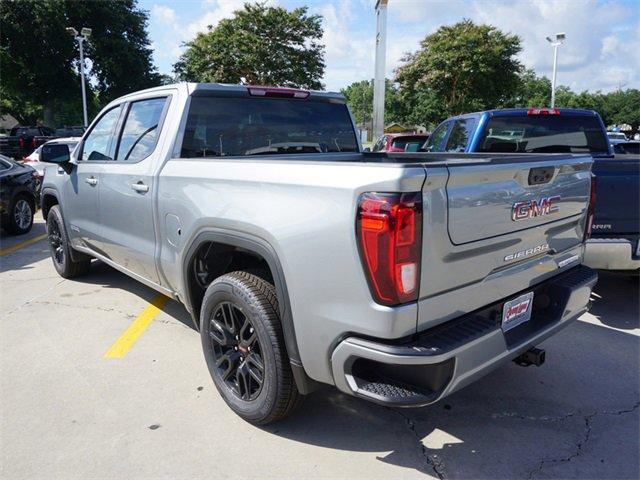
(140, 187)
(93, 181)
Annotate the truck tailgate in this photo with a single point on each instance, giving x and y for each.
(493, 199)
(497, 225)
(618, 182)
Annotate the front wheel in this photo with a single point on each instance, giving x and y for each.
(60, 247)
(244, 348)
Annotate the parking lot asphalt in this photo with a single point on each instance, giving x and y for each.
(68, 410)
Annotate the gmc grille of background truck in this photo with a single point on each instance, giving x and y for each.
(389, 230)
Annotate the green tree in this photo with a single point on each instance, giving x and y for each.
(532, 91)
(359, 97)
(459, 68)
(39, 59)
(622, 106)
(615, 108)
(259, 45)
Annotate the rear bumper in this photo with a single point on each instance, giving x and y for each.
(450, 356)
(612, 253)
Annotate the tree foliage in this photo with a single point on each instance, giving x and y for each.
(459, 68)
(623, 107)
(39, 59)
(259, 45)
(359, 97)
(531, 91)
(615, 108)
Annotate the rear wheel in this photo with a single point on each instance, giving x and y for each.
(20, 216)
(244, 348)
(60, 247)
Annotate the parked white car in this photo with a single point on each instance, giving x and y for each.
(617, 137)
(33, 160)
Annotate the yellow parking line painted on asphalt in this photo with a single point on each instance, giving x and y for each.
(121, 346)
(18, 246)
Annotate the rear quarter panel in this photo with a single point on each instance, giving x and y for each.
(306, 212)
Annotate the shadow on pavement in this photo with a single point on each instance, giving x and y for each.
(103, 275)
(574, 417)
(616, 300)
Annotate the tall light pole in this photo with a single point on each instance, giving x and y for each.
(555, 42)
(85, 33)
(379, 78)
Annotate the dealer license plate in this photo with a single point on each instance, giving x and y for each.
(517, 311)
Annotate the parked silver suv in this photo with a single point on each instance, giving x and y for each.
(398, 278)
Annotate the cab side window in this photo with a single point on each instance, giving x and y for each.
(379, 144)
(460, 135)
(140, 132)
(97, 145)
(436, 139)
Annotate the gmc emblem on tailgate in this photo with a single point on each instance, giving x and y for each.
(534, 208)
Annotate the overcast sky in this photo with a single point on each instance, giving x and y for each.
(602, 50)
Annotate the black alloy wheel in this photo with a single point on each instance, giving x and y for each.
(62, 254)
(243, 345)
(237, 351)
(55, 242)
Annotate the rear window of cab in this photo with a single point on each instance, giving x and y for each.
(246, 126)
(544, 134)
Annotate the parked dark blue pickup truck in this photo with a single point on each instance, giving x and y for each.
(615, 240)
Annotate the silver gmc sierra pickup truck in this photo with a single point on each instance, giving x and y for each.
(398, 278)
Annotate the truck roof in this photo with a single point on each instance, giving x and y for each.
(192, 88)
(523, 112)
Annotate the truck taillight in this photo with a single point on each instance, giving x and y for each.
(389, 230)
(33, 143)
(277, 92)
(21, 143)
(591, 210)
(543, 111)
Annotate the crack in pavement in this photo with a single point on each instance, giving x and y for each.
(544, 418)
(33, 299)
(433, 461)
(585, 438)
(87, 307)
(174, 322)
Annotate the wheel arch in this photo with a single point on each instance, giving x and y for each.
(25, 192)
(262, 249)
(48, 198)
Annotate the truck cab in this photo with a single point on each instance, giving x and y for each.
(523, 130)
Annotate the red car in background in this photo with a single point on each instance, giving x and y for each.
(400, 142)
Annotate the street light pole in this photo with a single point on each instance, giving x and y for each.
(84, 92)
(559, 38)
(364, 113)
(84, 35)
(379, 78)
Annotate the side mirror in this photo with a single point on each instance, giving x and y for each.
(55, 153)
(366, 149)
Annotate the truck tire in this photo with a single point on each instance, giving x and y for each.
(244, 348)
(20, 216)
(60, 247)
